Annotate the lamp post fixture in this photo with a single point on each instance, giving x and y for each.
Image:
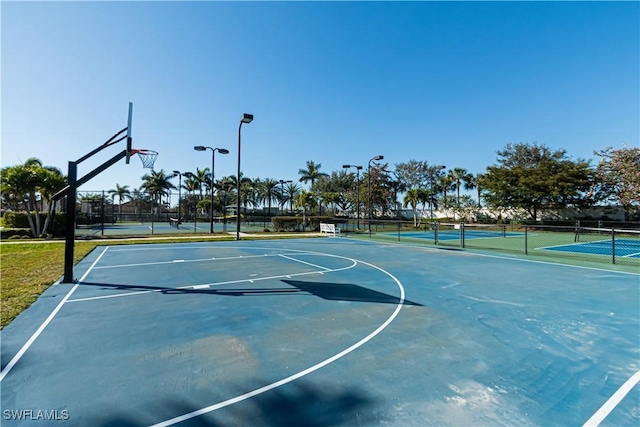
(358, 169)
(376, 158)
(213, 174)
(436, 169)
(282, 182)
(245, 118)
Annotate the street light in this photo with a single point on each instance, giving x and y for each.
(358, 169)
(435, 170)
(245, 118)
(213, 175)
(282, 182)
(369, 173)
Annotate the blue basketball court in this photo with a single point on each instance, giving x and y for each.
(324, 332)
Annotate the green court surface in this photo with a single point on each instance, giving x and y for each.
(325, 332)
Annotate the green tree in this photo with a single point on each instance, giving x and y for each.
(291, 191)
(532, 177)
(618, 176)
(268, 191)
(191, 184)
(52, 181)
(122, 192)
(473, 183)
(204, 179)
(305, 200)
(157, 184)
(22, 184)
(414, 173)
(458, 176)
(445, 183)
(311, 174)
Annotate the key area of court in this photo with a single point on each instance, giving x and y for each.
(324, 332)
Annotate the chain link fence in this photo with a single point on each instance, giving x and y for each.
(592, 244)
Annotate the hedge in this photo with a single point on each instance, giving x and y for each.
(294, 223)
(18, 220)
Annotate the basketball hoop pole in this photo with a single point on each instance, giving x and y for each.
(72, 186)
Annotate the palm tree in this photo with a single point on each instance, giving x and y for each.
(268, 191)
(226, 184)
(122, 192)
(330, 199)
(311, 173)
(291, 191)
(204, 178)
(20, 185)
(191, 184)
(157, 184)
(412, 198)
(474, 183)
(52, 182)
(245, 193)
(305, 200)
(458, 177)
(445, 181)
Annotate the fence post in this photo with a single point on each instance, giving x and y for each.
(435, 233)
(526, 235)
(613, 245)
(462, 235)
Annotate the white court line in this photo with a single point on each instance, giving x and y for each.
(631, 255)
(304, 262)
(140, 264)
(228, 282)
(613, 401)
(55, 311)
(299, 374)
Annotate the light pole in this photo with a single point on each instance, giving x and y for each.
(358, 169)
(435, 170)
(213, 174)
(369, 174)
(245, 118)
(282, 183)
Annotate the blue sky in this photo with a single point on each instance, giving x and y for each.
(333, 82)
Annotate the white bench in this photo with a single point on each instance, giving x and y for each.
(329, 229)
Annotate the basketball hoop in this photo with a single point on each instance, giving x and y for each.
(148, 157)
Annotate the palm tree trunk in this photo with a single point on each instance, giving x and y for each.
(47, 221)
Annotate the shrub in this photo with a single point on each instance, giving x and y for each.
(18, 220)
(15, 233)
(286, 223)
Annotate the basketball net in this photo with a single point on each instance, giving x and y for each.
(148, 157)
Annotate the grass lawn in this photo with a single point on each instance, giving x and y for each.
(27, 269)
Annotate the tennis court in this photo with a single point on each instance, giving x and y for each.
(324, 332)
(455, 234)
(150, 228)
(620, 247)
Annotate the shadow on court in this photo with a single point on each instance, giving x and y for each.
(324, 290)
(300, 404)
